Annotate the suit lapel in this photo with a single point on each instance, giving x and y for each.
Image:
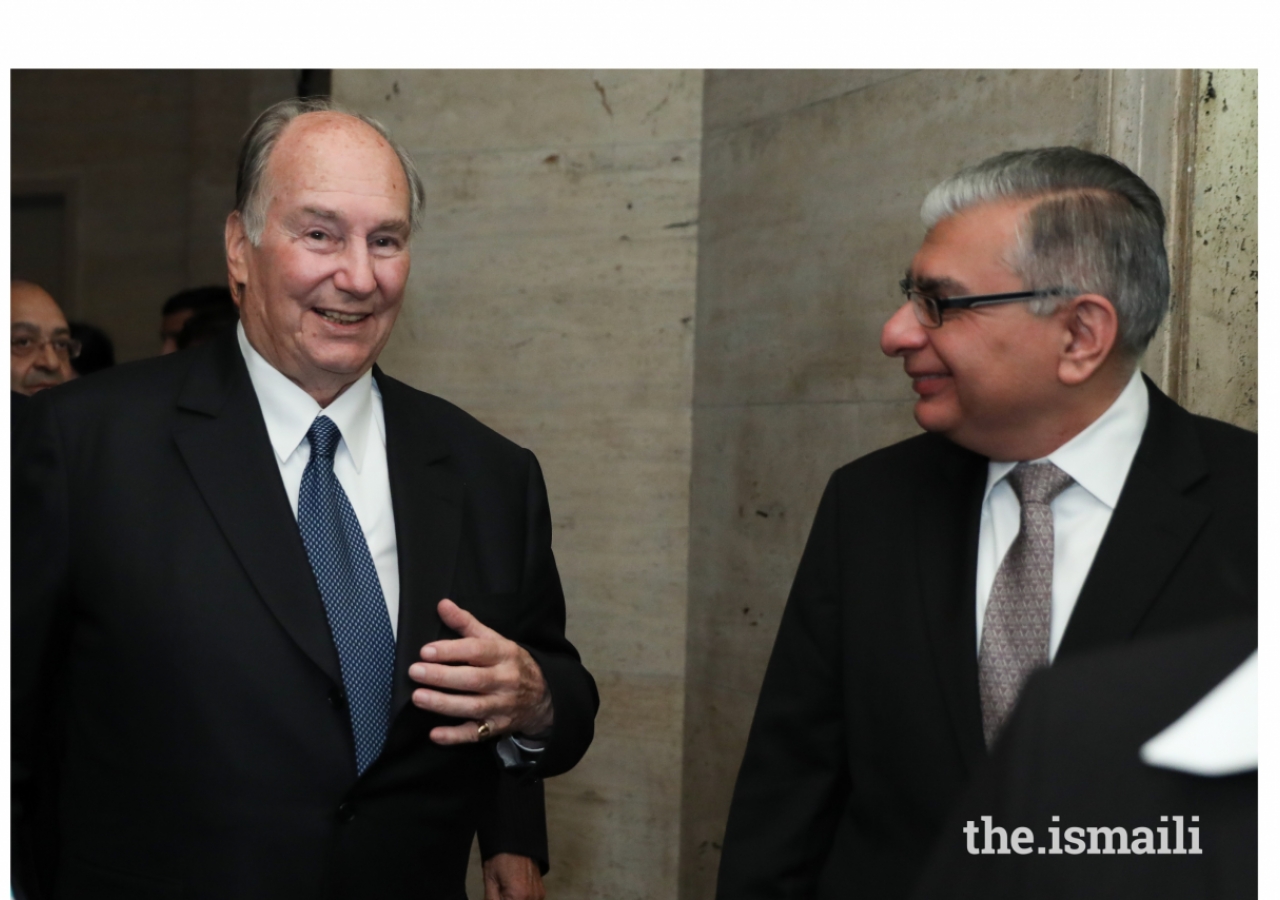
(224, 443)
(426, 497)
(1153, 525)
(947, 563)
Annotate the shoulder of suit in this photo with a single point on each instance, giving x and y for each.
(913, 455)
(1216, 436)
(134, 386)
(448, 415)
(1224, 434)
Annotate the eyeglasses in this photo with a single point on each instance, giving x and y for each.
(23, 346)
(929, 309)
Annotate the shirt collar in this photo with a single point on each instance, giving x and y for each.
(1099, 457)
(289, 410)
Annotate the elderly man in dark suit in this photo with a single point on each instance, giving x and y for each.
(235, 670)
(1058, 503)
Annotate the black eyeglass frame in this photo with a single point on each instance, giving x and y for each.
(938, 305)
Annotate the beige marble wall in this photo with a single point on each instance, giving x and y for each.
(148, 161)
(552, 295)
(1221, 376)
(811, 189)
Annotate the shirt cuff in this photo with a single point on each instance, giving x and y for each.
(519, 753)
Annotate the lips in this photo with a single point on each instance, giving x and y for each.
(926, 383)
(340, 318)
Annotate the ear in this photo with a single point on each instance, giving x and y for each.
(1090, 332)
(237, 243)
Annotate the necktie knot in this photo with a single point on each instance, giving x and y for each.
(1038, 483)
(323, 435)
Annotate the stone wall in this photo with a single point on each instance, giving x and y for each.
(1221, 361)
(552, 296)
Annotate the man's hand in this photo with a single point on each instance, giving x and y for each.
(511, 877)
(505, 690)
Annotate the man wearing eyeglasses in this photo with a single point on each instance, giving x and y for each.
(40, 344)
(1058, 503)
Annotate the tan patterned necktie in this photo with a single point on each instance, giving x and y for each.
(1015, 627)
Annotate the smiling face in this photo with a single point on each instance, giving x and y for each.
(988, 377)
(322, 289)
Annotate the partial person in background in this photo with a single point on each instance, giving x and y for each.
(186, 304)
(206, 325)
(41, 346)
(96, 350)
(1059, 503)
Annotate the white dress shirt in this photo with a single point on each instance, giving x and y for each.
(360, 462)
(1098, 458)
(360, 465)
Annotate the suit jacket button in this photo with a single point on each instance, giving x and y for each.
(346, 812)
(338, 698)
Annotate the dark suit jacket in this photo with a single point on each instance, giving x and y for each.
(1071, 750)
(172, 656)
(869, 724)
(19, 406)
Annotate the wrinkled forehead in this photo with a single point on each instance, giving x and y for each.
(331, 150)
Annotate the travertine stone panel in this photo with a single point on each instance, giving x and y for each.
(552, 296)
(809, 219)
(621, 838)
(1222, 306)
(618, 485)
(466, 110)
(735, 97)
(811, 189)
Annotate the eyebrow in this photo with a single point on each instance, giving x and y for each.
(320, 213)
(37, 329)
(399, 226)
(928, 285)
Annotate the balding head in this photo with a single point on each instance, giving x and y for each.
(260, 141)
(39, 339)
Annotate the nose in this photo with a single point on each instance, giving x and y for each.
(47, 358)
(903, 333)
(355, 275)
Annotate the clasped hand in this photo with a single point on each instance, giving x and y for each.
(502, 685)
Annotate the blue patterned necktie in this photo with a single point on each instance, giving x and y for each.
(352, 594)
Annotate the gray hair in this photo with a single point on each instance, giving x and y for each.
(1098, 229)
(260, 140)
